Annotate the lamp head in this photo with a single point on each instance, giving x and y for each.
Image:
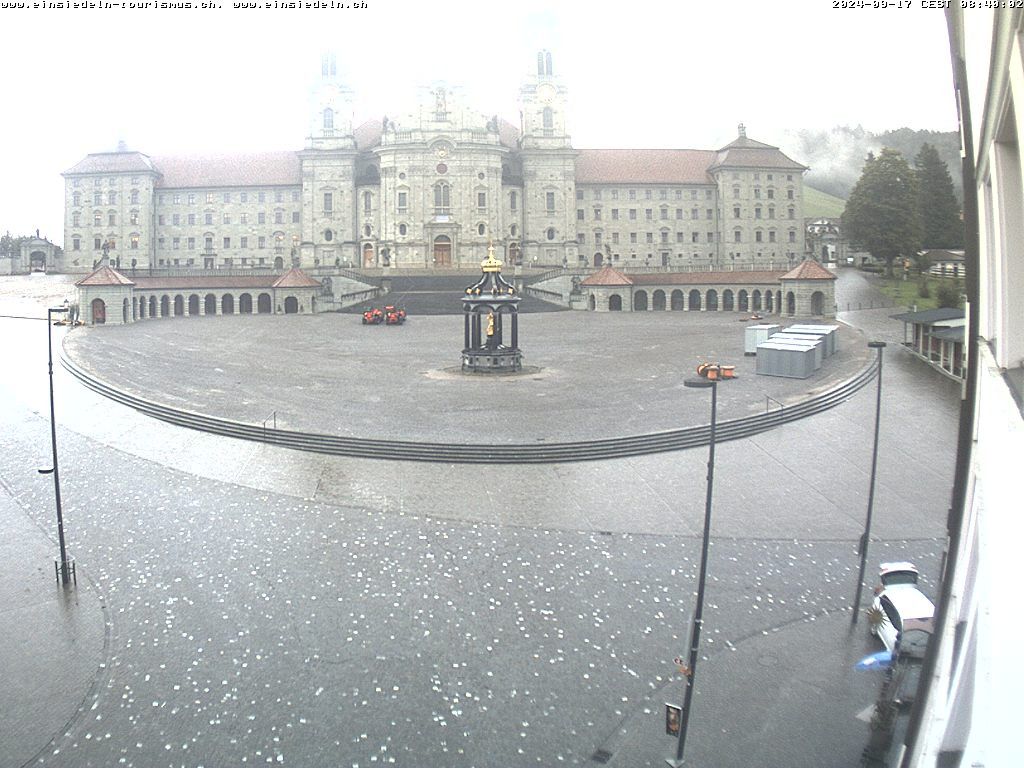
(57, 309)
(876, 344)
(698, 383)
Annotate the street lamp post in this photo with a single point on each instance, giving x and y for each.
(64, 569)
(863, 547)
(698, 614)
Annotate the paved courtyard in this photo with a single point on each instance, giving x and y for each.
(240, 603)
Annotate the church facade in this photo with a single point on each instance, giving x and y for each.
(433, 190)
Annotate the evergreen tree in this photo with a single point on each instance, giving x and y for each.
(941, 226)
(881, 214)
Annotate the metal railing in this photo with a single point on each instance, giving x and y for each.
(488, 453)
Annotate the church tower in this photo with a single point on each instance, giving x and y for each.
(549, 170)
(328, 172)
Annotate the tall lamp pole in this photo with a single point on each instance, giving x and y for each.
(64, 569)
(698, 614)
(863, 547)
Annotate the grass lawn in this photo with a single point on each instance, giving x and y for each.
(905, 292)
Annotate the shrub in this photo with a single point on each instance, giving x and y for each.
(947, 295)
(922, 288)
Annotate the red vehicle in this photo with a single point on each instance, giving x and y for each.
(373, 316)
(393, 316)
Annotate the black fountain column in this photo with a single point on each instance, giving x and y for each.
(484, 306)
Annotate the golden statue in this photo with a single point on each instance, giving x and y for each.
(490, 324)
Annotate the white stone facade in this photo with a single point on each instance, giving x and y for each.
(432, 190)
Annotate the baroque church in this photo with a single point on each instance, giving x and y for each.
(433, 190)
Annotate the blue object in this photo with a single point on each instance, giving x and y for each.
(880, 660)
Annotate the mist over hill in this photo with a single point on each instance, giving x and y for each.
(836, 156)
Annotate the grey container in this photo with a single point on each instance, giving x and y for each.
(805, 338)
(792, 360)
(831, 333)
(756, 334)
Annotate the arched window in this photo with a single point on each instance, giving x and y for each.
(328, 119)
(551, 233)
(442, 198)
(480, 229)
(402, 229)
(548, 118)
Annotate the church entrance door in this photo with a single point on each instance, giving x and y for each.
(442, 251)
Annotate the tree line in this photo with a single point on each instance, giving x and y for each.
(896, 211)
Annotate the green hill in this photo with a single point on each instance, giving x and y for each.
(821, 204)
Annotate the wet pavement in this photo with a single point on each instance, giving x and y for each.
(240, 603)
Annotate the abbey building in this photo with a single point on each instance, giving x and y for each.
(433, 190)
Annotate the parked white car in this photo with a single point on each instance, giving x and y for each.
(900, 611)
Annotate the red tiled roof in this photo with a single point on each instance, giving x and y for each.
(707, 278)
(235, 170)
(809, 270)
(607, 276)
(296, 278)
(644, 166)
(105, 275)
(762, 156)
(112, 162)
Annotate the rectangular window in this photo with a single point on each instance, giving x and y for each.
(191, 243)
(97, 219)
(579, 194)
(176, 243)
(227, 218)
(615, 194)
(597, 214)
(513, 200)
(615, 238)
(709, 214)
(597, 238)
(647, 194)
(650, 237)
(615, 214)
(679, 214)
(663, 194)
(227, 243)
(737, 237)
(664, 237)
(208, 218)
(711, 237)
(581, 238)
(597, 194)
(792, 236)
(261, 242)
(97, 198)
(649, 213)
(243, 197)
(262, 196)
(771, 236)
(789, 194)
(244, 242)
(664, 214)
(758, 236)
(403, 200)
(111, 218)
(736, 212)
(295, 195)
(632, 237)
(579, 214)
(134, 217)
(112, 198)
(328, 202)
(694, 237)
(771, 194)
(481, 201)
(632, 214)
(295, 217)
(97, 243)
(632, 194)
(279, 217)
(549, 200)
(160, 219)
(227, 197)
(175, 219)
(243, 218)
(279, 196)
(261, 218)
(192, 219)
